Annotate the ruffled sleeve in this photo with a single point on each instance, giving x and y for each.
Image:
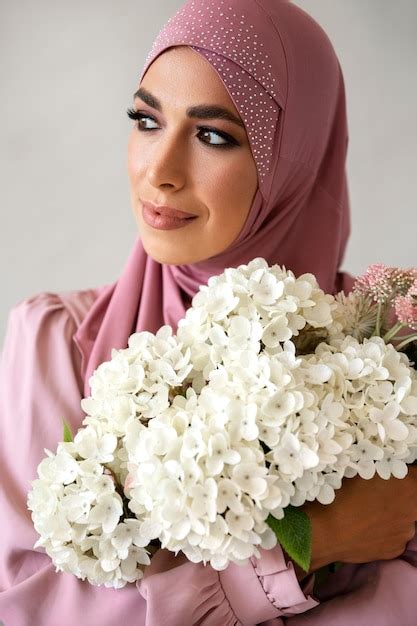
(265, 589)
(265, 592)
(272, 585)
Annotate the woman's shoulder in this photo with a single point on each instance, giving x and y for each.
(41, 330)
(52, 308)
(40, 363)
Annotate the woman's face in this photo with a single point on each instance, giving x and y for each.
(198, 162)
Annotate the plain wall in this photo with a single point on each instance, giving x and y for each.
(68, 72)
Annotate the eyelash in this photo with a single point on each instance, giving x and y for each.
(136, 115)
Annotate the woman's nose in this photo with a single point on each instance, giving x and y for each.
(167, 165)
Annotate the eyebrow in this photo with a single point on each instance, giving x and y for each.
(201, 111)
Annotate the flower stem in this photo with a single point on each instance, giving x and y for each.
(394, 330)
(402, 337)
(377, 331)
(406, 341)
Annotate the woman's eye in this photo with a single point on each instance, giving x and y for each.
(218, 139)
(142, 122)
(140, 117)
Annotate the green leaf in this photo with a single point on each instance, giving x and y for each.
(294, 535)
(67, 437)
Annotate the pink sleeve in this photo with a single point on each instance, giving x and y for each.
(266, 588)
(262, 590)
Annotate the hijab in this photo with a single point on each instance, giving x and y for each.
(282, 73)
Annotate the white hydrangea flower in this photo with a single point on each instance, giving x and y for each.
(389, 466)
(301, 409)
(77, 512)
(213, 429)
(219, 453)
(364, 453)
(90, 445)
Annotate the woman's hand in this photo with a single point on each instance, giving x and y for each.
(369, 520)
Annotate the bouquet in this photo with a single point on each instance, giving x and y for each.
(209, 440)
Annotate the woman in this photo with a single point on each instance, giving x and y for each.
(240, 125)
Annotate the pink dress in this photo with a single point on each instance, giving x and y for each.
(40, 383)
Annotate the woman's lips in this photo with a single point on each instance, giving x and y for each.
(167, 219)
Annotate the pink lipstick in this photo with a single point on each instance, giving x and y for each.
(164, 217)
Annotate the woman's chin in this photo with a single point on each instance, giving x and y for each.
(167, 257)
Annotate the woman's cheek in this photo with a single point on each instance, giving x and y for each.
(224, 177)
(240, 183)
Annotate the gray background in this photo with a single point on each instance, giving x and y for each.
(67, 75)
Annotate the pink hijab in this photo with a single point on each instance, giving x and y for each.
(283, 75)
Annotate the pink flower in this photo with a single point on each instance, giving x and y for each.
(402, 280)
(375, 283)
(406, 307)
(381, 283)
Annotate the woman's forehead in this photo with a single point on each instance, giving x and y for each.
(181, 76)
